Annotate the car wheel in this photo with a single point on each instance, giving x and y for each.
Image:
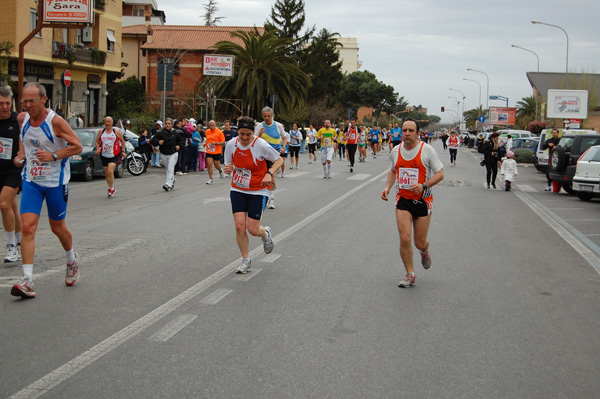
(568, 187)
(120, 169)
(88, 172)
(585, 196)
(558, 160)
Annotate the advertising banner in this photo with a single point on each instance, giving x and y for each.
(567, 104)
(64, 11)
(503, 116)
(218, 65)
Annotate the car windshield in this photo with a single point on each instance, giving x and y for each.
(566, 143)
(592, 155)
(131, 135)
(86, 137)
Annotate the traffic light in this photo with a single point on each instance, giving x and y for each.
(443, 109)
(408, 111)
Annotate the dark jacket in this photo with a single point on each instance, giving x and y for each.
(488, 148)
(552, 140)
(144, 145)
(9, 128)
(171, 139)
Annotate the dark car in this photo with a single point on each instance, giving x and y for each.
(87, 164)
(563, 160)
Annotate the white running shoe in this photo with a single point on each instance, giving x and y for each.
(11, 253)
(549, 188)
(244, 267)
(268, 241)
(210, 181)
(409, 280)
(221, 175)
(72, 276)
(271, 204)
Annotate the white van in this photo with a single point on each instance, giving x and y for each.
(541, 156)
(516, 134)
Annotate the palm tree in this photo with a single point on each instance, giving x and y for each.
(525, 111)
(471, 116)
(261, 70)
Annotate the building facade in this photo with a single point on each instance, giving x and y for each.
(88, 52)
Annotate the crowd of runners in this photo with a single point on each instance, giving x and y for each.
(37, 145)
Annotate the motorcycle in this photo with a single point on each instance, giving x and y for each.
(134, 162)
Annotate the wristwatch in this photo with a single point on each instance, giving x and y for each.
(424, 186)
(55, 156)
(269, 172)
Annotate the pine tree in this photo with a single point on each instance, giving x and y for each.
(209, 17)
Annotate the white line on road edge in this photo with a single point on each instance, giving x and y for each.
(216, 296)
(247, 276)
(69, 369)
(271, 258)
(586, 248)
(178, 324)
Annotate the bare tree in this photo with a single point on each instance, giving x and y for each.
(210, 19)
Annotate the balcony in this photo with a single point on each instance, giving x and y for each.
(87, 55)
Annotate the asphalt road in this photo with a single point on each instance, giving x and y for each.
(509, 309)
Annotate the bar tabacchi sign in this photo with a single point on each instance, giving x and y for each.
(68, 11)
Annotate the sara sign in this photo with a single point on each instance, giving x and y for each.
(68, 11)
(503, 116)
(567, 104)
(218, 65)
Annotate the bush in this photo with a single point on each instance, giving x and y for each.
(536, 127)
(523, 155)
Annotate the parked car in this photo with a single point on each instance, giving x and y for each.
(131, 137)
(87, 164)
(563, 160)
(586, 182)
(541, 155)
(514, 134)
(529, 143)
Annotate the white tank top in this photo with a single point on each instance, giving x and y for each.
(46, 174)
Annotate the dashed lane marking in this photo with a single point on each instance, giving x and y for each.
(173, 327)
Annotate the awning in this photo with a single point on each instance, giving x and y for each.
(110, 35)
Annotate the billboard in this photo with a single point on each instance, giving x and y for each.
(218, 65)
(63, 11)
(567, 104)
(503, 116)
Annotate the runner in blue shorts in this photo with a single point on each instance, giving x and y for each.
(47, 141)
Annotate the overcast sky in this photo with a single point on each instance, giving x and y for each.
(423, 48)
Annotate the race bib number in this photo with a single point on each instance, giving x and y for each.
(407, 177)
(327, 141)
(241, 177)
(211, 147)
(108, 149)
(40, 171)
(6, 146)
(351, 136)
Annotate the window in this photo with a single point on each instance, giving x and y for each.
(110, 41)
(65, 36)
(79, 36)
(34, 21)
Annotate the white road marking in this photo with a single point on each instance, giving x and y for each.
(295, 174)
(526, 188)
(586, 248)
(360, 176)
(84, 260)
(270, 258)
(72, 367)
(216, 199)
(247, 276)
(216, 296)
(173, 327)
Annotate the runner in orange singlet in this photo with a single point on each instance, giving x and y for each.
(416, 168)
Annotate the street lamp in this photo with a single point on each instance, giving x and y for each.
(479, 108)
(538, 69)
(565, 32)
(487, 94)
(463, 103)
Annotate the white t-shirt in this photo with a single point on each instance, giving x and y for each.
(430, 158)
(312, 136)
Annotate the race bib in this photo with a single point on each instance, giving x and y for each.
(241, 177)
(407, 177)
(6, 146)
(40, 171)
(351, 136)
(108, 149)
(211, 147)
(327, 142)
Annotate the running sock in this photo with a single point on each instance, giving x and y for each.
(71, 258)
(328, 168)
(18, 237)
(28, 272)
(10, 238)
(325, 168)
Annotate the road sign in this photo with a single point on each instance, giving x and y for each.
(65, 78)
(218, 65)
(481, 119)
(165, 77)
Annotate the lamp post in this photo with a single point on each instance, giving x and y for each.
(463, 103)
(565, 32)
(458, 109)
(479, 108)
(538, 69)
(487, 94)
